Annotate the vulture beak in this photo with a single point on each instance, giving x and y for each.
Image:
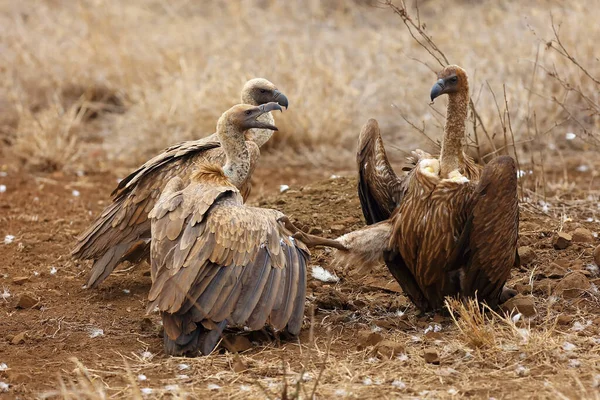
(280, 98)
(437, 89)
(263, 109)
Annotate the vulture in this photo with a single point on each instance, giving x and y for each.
(218, 263)
(122, 231)
(446, 228)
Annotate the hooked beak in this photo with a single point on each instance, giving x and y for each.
(437, 89)
(265, 108)
(281, 99)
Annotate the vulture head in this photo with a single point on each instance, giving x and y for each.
(242, 117)
(452, 79)
(259, 91)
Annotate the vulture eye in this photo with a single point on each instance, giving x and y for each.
(248, 112)
(263, 90)
(454, 79)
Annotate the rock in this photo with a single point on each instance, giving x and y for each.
(522, 288)
(237, 343)
(368, 338)
(582, 235)
(562, 241)
(19, 280)
(19, 338)
(564, 319)
(26, 301)
(431, 356)
(544, 286)
(315, 230)
(522, 304)
(338, 229)
(331, 299)
(597, 255)
(388, 349)
(239, 366)
(552, 271)
(146, 325)
(572, 285)
(526, 255)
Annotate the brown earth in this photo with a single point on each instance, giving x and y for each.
(366, 340)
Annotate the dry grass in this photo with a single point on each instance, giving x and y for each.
(176, 66)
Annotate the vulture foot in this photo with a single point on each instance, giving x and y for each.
(308, 239)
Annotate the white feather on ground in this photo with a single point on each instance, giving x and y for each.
(323, 275)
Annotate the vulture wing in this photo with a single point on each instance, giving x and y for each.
(379, 189)
(218, 263)
(494, 216)
(122, 232)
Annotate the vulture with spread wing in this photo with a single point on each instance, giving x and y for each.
(218, 263)
(122, 231)
(447, 228)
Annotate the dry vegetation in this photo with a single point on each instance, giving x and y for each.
(99, 86)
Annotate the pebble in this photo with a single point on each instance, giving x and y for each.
(368, 338)
(237, 343)
(572, 285)
(26, 301)
(526, 255)
(564, 319)
(431, 356)
(338, 229)
(19, 280)
(19, 338)
(582, 235)
(522, 304)
(388, 349)
(562, 240)
(552, 271)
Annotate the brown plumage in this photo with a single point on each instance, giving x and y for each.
(447, 234)
(217, 262)
(122, 231)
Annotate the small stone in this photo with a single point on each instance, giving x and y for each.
(572, 285)
(280, 202)
(522, 304)
(26, 301)
(19, 338)
(564, 319)
(562, 240)
(315, 230)
(522, 288)
(338, 229)
(597, 255)
(431, 356)
(552, 271)
(582, 235)
(388, 349)
(19, 280)
(368, 338)
(237, 343)
(526, 255)
(239, 366)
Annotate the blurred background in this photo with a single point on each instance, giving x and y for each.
(103, 85)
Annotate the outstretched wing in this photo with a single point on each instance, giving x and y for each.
(214, 260)
(491, 233)
(122, 232)
(379, 188)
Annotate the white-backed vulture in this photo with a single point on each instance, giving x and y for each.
(122, 231)
(217, 262)
(447, 235)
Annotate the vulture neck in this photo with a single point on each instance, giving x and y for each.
(258, 136)
(451, 157)
(237, 156)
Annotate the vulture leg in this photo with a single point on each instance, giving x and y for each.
(308, 239)
(490, 249)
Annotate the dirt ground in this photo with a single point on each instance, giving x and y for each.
(365, 340)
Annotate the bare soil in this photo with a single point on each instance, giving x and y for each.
(48, 321)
